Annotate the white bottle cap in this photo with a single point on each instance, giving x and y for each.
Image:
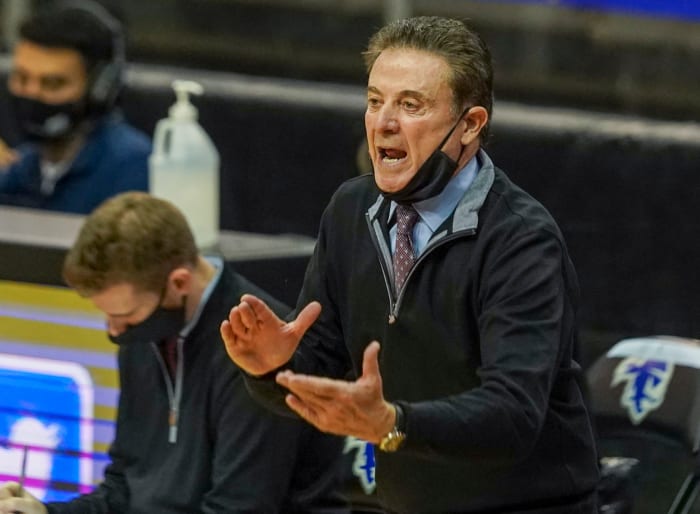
(183, 109)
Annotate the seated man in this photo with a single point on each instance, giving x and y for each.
(65, 79)
(189, 438)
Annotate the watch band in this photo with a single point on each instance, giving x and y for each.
(396, 436)
(400, 422)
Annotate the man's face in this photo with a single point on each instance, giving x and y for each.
(409, 112)
(49, 75)
(125, 306)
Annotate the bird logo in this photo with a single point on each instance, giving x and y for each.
(38, 440)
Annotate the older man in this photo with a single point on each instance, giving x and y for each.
(465, 282)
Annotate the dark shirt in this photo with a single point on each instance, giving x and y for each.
(230, 455)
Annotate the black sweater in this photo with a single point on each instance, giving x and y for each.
(477, 347)
(230, 455)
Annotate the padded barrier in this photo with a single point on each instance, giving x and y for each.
(624, 190)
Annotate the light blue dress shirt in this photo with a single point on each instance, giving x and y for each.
(434, 211)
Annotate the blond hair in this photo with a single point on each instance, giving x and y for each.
(131, 238)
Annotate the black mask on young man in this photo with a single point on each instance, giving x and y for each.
(432, 176)
(163, 323)
(40, 121)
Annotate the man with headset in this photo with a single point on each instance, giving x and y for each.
(63, 85)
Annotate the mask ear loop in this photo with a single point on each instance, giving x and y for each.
(163, 292)
(444, 140)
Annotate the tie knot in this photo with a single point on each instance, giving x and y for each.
(406, 217)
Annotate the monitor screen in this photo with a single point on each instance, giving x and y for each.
(59, 383)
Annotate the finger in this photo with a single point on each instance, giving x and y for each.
(309, 411)
(236, 324)
(323, 416)
(258, 308)
(8, 159)
(257, 313)
(7, 154)
(247, 316)
(308, 407)
(227, 333)
(9, 490)
(370, 360)
(308, 385)
(12, 505)
(300, 408)
(306, 317)
(6, 162)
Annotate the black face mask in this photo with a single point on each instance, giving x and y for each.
(160, 325)
(41, 122)
(431, 178)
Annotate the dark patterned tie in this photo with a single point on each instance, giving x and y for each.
(406, 217)
(168, 349)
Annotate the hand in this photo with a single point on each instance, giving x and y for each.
(257, 340)
(11, 502)
(8, 156)
(340, 407)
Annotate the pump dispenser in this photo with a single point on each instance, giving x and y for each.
(184, 165)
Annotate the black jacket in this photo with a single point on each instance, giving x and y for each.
(230, 455)
(477, 347)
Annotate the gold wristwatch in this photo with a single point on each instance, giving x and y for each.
(397, 435)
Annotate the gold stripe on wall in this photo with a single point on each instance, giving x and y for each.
(47, 296)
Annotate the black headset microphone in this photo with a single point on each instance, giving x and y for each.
(106, 79)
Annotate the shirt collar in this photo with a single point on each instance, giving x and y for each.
(218, 264)
(435, 210)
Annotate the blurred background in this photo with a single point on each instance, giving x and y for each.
(628, 56)
(597, 115)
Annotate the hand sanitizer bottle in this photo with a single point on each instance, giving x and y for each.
(184, 166)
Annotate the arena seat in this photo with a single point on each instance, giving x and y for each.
(645, 399)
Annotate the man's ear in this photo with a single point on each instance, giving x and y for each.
(181, 279)
(475, 118)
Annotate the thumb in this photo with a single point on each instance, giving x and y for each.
(370, 360)
(306, 317)
(9, 490)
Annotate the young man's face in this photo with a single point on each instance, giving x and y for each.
(409, 112)
(49, 75)
(124, 306)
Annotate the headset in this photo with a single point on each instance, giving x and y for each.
(107, 78)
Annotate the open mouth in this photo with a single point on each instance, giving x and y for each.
(391, 155)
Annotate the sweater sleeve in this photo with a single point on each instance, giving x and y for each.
(255, 456)
(19, 182)
(112, 495)
(322, 350)
(526, 328)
